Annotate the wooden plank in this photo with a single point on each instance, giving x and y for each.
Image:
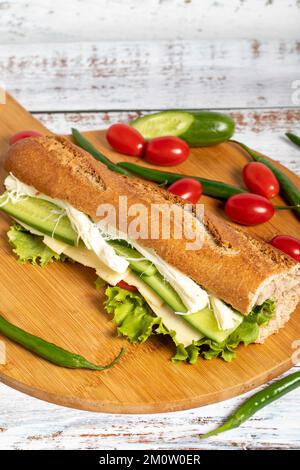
(32, 424)
(67, 292)
(149, 75)
(109, 20)
(263, 129)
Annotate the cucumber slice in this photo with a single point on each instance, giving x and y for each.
(198, 129)
(205, 322)
(41, 215)
(165, 291)
(164, 123)
(149, 275)
(139, 265)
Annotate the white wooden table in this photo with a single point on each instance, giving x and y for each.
(89, 64)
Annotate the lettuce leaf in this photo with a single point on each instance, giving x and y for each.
(99, 283)
(135, 320)
(246, 333)
(30, 248)
(131, 314)
(262, 314)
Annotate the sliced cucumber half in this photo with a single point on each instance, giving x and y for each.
(173, 123)
(165, 291)
(41, 215)
(205, 322)
(198, 129)
(135, 259)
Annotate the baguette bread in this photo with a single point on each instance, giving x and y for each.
(239, 269)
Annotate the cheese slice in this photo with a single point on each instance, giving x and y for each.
(82, 255)
(225, 316)
(185, 334)
(192, 295)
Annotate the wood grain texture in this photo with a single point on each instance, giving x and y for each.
(149, 75)
(65, 308)
(108, 20)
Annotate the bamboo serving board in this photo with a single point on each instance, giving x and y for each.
(61, 304)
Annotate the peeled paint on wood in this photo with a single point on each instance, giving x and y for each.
(87, 20)
(28, 423)
(150, 75)
(262, 128)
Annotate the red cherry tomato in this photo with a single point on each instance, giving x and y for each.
(23, 135)
(261, 180)
(287, 244)
(167, 151)
(126, 286)
(249, 209)
(125, 139)
(187, 188)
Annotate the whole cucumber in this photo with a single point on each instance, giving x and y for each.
(198, 129)
(208, 128)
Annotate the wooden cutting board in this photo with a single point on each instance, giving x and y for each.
(61, 304)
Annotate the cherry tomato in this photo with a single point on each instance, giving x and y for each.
(249, 209)
(287, 244)
(167, 151)
(261, 180)
(187, 188)
(125, 139)
(126, 286)
(23, 135)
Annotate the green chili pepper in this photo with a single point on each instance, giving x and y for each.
(50, 351)
(257, 402)
(212, 188)
(287, 188)
(82, 142)
(293, 138)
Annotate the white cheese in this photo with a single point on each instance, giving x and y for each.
(146, 292)
(55, 245)
(93, 240)
(82, 255)
(18, 189)
(225, 316)
(185, 334)
(192, 295)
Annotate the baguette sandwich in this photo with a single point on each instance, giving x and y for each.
(233, 289)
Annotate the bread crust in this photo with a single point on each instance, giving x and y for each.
(231, 264)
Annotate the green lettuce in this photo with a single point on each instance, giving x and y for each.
(99, 283)
(246, 333)
(135, 320)
(31, 248)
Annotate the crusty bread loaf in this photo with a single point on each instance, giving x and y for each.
(241, 270)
